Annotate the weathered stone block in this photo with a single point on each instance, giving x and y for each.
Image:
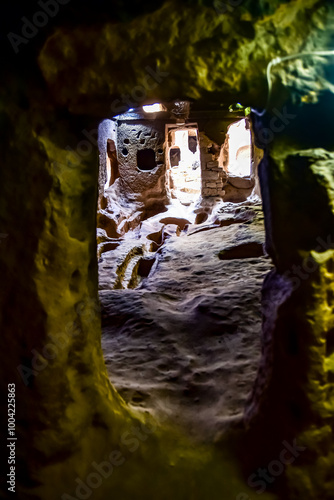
(206, 157)
(208, 175)
(212, 164)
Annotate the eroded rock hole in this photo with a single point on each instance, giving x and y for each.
(146, 159)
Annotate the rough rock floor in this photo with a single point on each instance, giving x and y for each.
(185, 344)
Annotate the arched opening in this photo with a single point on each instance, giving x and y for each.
(112, 164)
(239, 149)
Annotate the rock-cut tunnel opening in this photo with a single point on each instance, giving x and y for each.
(180, 245)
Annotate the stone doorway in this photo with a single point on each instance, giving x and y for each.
(184, 178)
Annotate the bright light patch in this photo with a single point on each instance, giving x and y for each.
(154, 108)
(187, 157)
(239, 149)
(186, 169)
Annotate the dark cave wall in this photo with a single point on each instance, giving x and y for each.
(50, 322)
(179, 50)
(294, 389)
(69, 415)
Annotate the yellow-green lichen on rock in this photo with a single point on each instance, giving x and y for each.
(192, 53)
